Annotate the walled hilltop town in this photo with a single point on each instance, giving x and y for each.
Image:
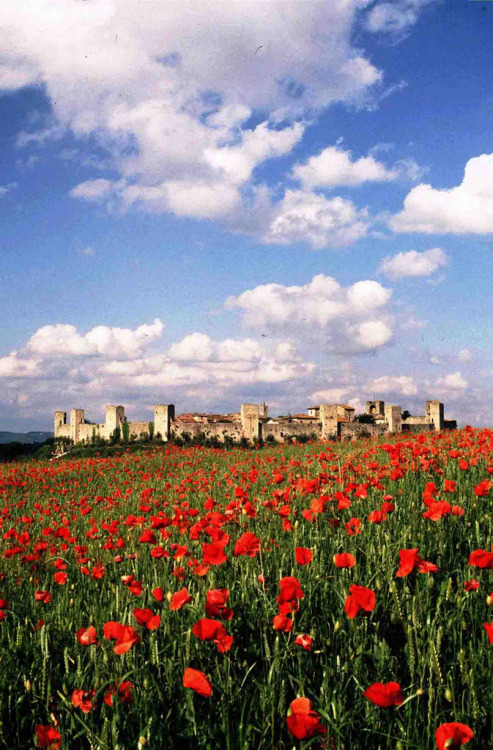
(252, 422)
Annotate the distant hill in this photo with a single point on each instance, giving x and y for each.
(24, 437)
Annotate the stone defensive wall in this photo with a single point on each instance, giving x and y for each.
(323, 422)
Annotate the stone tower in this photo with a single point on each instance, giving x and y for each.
(76, 419)
(164, 414)
(393, 417)
(115, 416)
(60, 420)
(435, 413)
(328, 418)
(375, 408)
(250, 424)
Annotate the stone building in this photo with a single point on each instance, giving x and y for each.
(326, 421)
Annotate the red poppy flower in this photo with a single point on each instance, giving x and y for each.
(148, 537)
(304, 641)
(353, 526)
(290, 589)
(409, 559)
(377, 516)
(158, 594)
(488, 626)
(303, 555)
(304, 723)
(482, 489)
(360, 598)
(213, 554)
(201, 569)
(148, 618)
(481, 559)
(471, 585)
(453, 735)
(208, 630)
(60, 578)
(42, 596)
(124, 691)
(344, 560)
(385, 694)
(84, 700)
(216, 604)
(125, 636)
(48, 737)
(196, 680)
(247, 544)
(436, 511)
(179, 599)
(87, 636)
(282, 622)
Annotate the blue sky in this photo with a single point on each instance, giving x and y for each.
(217, 202)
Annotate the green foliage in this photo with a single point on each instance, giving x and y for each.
(115, 436)
(365, 419)
(125, 432)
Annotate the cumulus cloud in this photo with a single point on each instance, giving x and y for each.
(413, 263)
(403, 384)
(467, 208)
(108, 364)
(395, 17)
(64, 339)
(452, 384)
(333, 166)
(304, 216)
(170, 93)
(15, 366)
(342, 319)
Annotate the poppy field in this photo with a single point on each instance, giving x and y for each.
(327, 595)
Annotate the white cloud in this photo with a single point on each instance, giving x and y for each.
(343, 319)
(403, 384)
(395, 17)
(330, 396)
(452, 383)
(13, 366)
(465, 356)
(303, 216)
(413, 263)
(169, 92)
(467, 208)
(92, 190)
(5, 189)
(198, 347)
(64, 339)
(89, 251)
(333, 166)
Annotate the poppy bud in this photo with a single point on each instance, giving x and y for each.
(169, 595)
(448, 695)
(296, 524)
(27, 685)
(71, 602)
(489, 600)
(145, 685)
(142, 742)
(337, 626)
